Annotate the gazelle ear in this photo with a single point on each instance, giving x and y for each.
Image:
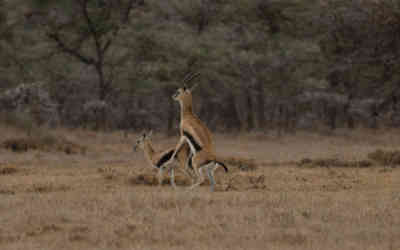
(185, 87)
(150, 133)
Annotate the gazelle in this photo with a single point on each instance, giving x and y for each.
(159, 159)
(196, 134)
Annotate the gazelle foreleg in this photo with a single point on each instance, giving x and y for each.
(160, 176)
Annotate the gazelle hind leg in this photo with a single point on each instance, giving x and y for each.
(200, 175)
(189, 174)
(172, 176)
(210, 173)
(200, 178)
(189, 170)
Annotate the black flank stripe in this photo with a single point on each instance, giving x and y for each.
(191, 161)
(196, 146)
(165, 158)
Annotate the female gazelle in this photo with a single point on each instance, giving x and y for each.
(158, 159)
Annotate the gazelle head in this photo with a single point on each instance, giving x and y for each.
(141, 141)
(184, 94)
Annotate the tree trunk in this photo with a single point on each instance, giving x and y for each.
(332, 116)
(250, 117)
(103, 86)
(349, 117)
(280, 119)
(171, 117)
(260, 105)
(232, 119)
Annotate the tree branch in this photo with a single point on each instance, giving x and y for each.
(93, 31)
(124, 20)
(75, 53)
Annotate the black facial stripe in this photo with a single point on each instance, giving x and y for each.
(165, 158)
(196, 146)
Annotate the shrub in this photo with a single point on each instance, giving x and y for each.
(46, 142)
(386, 158)
(333, 162)
(242, 164)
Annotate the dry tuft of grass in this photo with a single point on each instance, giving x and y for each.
(243, 164)
(386, 158)
(152, 180)
(241, 182)
(47, 188)
(333, 162)
(47, 143)
(8, 170)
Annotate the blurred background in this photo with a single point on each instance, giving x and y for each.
(265, 65)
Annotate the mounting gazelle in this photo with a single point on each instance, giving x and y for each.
(196, 134)
(159, 159)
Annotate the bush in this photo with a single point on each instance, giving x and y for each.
(242, 164)
(333, 162)
(8, 170)
(45, 142)
(386, 158)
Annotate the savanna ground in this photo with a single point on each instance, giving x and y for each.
(104, 197)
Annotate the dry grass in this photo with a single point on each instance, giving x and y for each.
(109, 198)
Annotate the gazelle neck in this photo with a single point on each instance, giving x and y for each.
(148, 150)
(186, 108)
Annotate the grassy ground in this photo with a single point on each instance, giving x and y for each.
(102, 198)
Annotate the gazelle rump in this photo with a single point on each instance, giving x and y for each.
(196, 134)
(159, 159)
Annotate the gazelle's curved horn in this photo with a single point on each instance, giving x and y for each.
(189, 77)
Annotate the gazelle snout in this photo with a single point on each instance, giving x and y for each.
(175, 95)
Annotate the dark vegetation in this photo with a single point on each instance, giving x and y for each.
(334, 162)
(386, 158)
(264, 64)
(43, 142)
(379, 157)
